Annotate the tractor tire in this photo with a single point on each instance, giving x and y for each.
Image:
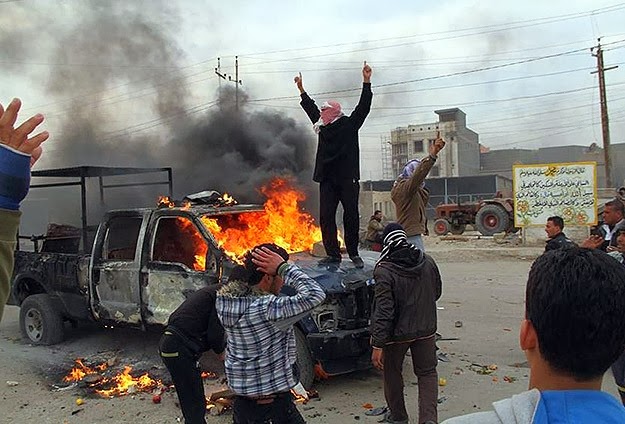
(305, 363)
(492, 219)
(41, 322)
(457, 229)
(442, 227)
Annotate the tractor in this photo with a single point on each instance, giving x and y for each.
(487, 216)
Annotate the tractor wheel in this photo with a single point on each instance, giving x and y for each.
(492, 219)
(457, 229)
(442, 227)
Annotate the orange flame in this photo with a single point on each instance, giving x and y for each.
(283, 222)
(228, 200)
(81, 370)
(165, 201)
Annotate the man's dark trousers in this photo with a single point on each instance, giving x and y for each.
(278, 409)
(330, 194)
(186, 376)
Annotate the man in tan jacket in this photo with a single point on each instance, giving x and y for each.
(410, 195)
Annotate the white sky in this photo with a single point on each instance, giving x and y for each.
(543, 102)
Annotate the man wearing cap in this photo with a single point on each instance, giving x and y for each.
(261, 351)
(411, 196)
(408, 284)
(337, 167)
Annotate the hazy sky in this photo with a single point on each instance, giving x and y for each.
(134, 67)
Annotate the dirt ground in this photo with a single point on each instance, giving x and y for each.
(481, 306)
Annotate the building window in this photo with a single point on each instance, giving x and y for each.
(400, 149)
(418, 145)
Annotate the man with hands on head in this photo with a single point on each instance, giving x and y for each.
(337, 166)
(258, 320)
(18, 152)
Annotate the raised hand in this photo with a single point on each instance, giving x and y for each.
(19, 138)
(438, 144)
(366, 73)
(267, 261)
(299, 82)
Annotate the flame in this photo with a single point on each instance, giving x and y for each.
(124, 383)
(228, 200)
(81, 370)
(283, 222)
(165, 201)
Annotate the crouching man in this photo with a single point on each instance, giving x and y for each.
(261, 350)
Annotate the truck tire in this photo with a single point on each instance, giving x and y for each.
(305, 363)
(442, 227)
(492, 219)
(40, 322)
(457, 229)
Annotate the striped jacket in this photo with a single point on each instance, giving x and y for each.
(261, 343)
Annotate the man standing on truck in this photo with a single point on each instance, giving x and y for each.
(192, 329)
(337, 167)
(261, 351)
(411, 196)
(18, 152)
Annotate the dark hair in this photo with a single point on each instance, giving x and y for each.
(377, 212)
(620, 232)
(557, 221)
(617, 205)
(248, 272)
(575, 299)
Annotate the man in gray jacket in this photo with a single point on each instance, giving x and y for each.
(408, 284)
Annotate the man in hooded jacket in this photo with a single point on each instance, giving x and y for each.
(408, 284)
(337, 167)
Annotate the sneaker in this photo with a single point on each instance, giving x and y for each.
(387, 419)
(357, 260)
(330, 260)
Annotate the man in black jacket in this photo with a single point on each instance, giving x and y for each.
(408, 284)
(557, 239)
(337, 167)
(192, 329)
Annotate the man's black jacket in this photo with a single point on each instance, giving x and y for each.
(338, 153)
(560, 241)
(196, 322)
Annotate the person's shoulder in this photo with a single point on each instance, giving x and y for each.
(487, 417)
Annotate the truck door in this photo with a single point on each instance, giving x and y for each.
(115, 268)
(180, 261)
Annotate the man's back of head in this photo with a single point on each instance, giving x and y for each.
(575, 301)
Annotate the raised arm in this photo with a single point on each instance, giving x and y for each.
(307, 103)
(426, 164)
(363, 107)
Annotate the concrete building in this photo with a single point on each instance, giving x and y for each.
(461, 156)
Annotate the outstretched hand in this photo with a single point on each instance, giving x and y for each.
(267, 261)
(19, 138)
(299, 82)
(366, 73)
(438, 144)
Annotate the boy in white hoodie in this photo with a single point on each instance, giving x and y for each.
(574, 329)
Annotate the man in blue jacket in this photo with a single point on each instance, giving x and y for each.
(574, 329)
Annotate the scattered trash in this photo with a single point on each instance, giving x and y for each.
(12, 383)
(442, 357)
(74, 412)
(507, 329)
(442, 381)
(509, 379)
(458, 324)
(58, 388)
(156, 398)
(79, 401)
(493, 367)
(482, 369)
(376, 411)
(367, 406)
(440, 308)
(441, 399)
(495, 379)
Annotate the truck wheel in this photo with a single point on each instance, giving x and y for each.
(457, 229)
(304, 361)
(491, 219)
(40, 322)
(441, 227)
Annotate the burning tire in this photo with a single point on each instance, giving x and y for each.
(40, 322)
(492, 219)
(442, 227)
(304, 362)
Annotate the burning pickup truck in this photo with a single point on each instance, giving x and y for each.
(144, 262)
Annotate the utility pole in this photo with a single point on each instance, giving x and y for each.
(605, 124)
(236, 79)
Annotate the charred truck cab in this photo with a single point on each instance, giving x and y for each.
(144, 262)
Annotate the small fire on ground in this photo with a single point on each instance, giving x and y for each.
(118, 384)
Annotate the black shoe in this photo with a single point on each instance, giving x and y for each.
(357, 260)
(330, 260)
